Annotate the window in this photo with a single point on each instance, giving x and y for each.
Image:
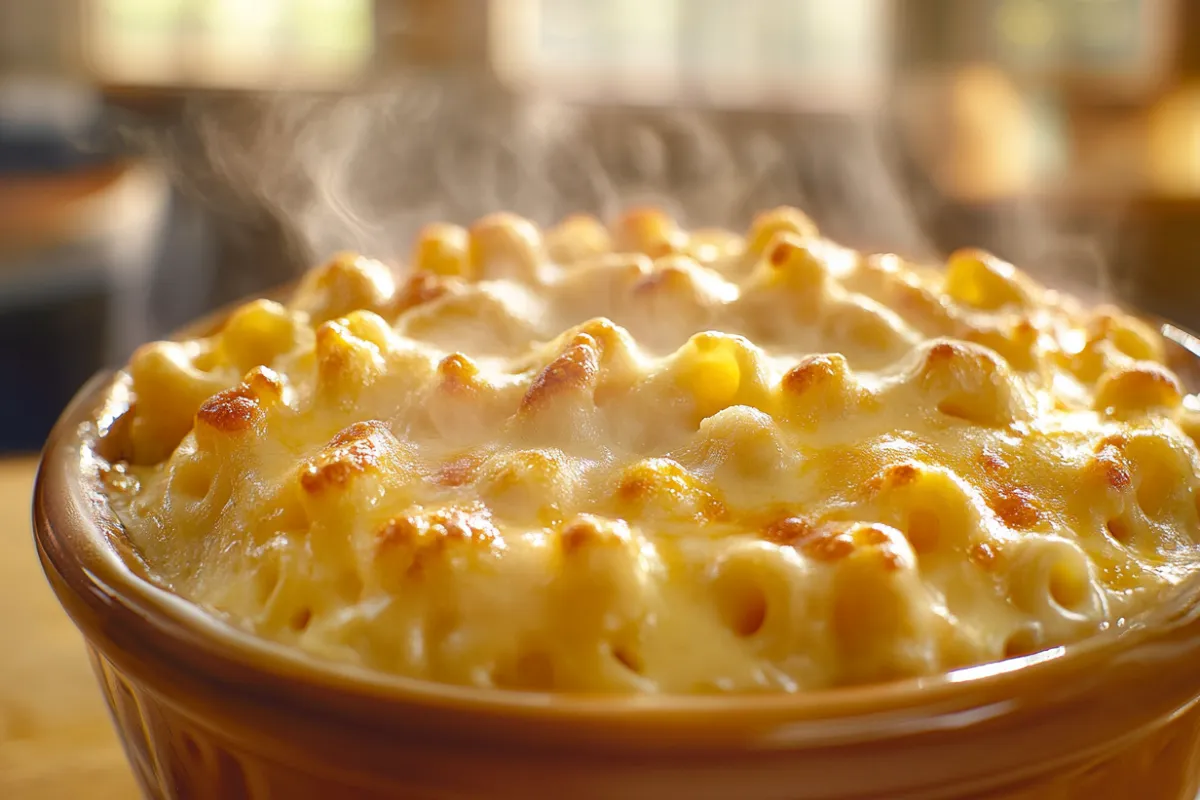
(830, 53)
(228, 43)
(1117, 41)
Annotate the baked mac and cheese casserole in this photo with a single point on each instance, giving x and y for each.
(637, 458)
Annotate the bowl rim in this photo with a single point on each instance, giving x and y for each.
(96, 575)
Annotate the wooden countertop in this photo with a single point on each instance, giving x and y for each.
(56, 740)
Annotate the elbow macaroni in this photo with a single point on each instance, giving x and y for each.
(643, 459)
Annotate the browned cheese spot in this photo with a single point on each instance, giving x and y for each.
(901, 474)
(635, 488)
(459, 374)
(1110, 463)
(643, 484)
(944, 353)
(231, 410)
(713, 509)
(576, 368)
(1016, 506)
(783, 252)
(420, 288)
(828, 547)
(873, 537)
(352, 451)
(993, 463)
(893, 476)
(669, 277)
(428, 534)
(983, 555)
(459, 471)
(831, 543)
(813, 370)
(581, 533)
(788, 531)
(333, 356)
(398, 532)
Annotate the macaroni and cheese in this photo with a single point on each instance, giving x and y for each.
(638, 458)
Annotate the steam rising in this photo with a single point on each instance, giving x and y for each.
(364, 172)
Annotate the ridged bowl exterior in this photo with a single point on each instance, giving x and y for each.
(176, 756)
(179, 754)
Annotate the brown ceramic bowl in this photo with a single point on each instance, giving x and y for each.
(208, 711)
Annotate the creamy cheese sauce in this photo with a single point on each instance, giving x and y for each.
(639, 459)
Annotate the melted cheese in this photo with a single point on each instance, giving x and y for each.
(642, 460)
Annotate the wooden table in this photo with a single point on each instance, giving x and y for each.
(56, 742)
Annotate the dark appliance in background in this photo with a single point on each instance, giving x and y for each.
(96, 255)
(101, 246)
(54, 277)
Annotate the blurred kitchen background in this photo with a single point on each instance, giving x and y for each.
(159, 158)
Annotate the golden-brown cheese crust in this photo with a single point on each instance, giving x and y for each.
(647, 459)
